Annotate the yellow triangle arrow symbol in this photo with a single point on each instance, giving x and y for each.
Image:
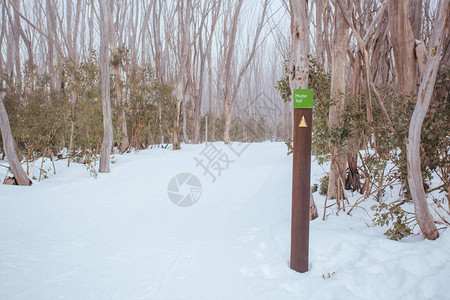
(302, 122)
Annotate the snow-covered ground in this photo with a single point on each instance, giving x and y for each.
(120, 237)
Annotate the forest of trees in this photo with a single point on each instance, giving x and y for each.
(390, 52)
(170, 64)
(96, 76)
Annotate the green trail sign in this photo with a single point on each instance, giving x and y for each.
(303, 98)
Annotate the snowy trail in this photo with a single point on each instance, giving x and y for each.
(120, 237)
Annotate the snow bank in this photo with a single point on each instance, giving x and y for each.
(120, 237)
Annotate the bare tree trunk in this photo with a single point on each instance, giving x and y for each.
(402, 40)
(340, 44)
(446, 58)
(8, 145)
(352, 181)
(185, 96)
(421, 56)
(226, 133)
(229, 102)
(105, 154)
(184, 10)
(299, 63)
(380, 65)
(205, 54)
(415, 180)
(51, 32)
(197, 116)
(327, 28)
(124, 141)
(118, 85)
(210, 80)
(122, 123)
(19, 33)
(415, 17)
(319, 32)
(228, 72)
(17, 59)
(91, 29)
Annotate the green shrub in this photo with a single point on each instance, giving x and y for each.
(393, 214)
(324, 185)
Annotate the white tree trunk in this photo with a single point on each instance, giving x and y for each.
(226, 134)
(299, 63)
(8, 145)
(319, 31)
(51, 32)
(228, 72)
(340, 44)
(415, 16)
(415, 180)
(184, 11)
(402, 40)
(105, 154)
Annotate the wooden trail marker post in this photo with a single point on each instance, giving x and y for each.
(301, 179)
(206, 131)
